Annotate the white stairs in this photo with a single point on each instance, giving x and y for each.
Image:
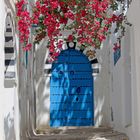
(86, 133)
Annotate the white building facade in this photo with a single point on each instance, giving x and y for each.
(24, 94)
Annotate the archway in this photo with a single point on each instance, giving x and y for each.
(71, 90)
(9, 51)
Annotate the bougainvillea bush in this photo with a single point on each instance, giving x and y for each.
(88, 21)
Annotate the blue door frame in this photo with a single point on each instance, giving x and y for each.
(71, 90)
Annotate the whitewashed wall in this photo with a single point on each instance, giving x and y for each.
(133, 16)
(120, 80)
(9, 116)
(125, 79)
(102, 87)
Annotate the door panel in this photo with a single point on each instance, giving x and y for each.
(71, 90)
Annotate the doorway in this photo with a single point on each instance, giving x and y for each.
(71, 90)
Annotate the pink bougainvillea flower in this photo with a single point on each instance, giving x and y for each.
(27, 47)
(83, 13)
(70, 38)
(63, 20)
(116, 46)
(114, 18)
(89, 21)
(60, 44)
(24, 23)
(69, 15)
(54, 4)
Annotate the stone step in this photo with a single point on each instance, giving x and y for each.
(89, 133)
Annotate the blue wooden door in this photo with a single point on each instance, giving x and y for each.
(71, 90)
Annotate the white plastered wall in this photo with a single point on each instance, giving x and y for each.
(126, 111)
(9, 115)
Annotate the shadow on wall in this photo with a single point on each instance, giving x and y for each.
(9, 127)
(42, 87)
(102, 87)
